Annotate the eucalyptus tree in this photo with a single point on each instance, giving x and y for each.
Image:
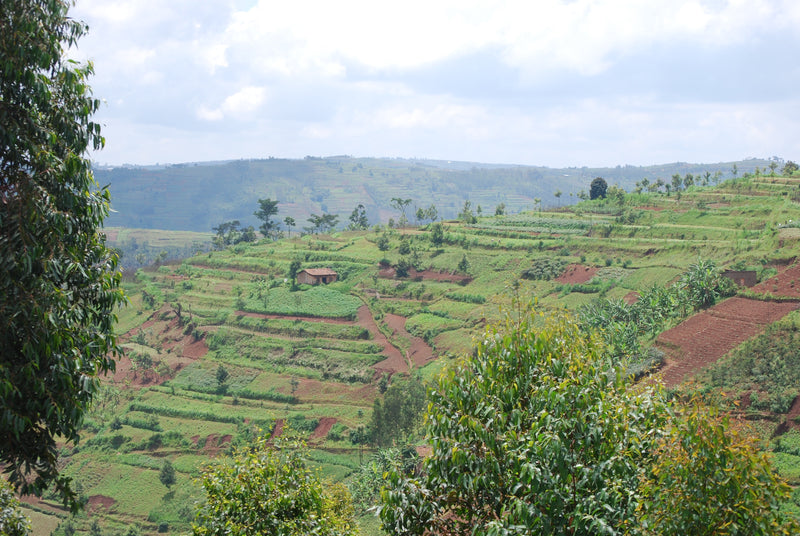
(58, 280)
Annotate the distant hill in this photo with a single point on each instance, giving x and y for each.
(199, 196)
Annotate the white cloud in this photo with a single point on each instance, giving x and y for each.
(240, 105)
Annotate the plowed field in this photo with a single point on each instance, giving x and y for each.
(709, 335)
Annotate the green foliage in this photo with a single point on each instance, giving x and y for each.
(598, 188)
(708, 479)
(266, 489)
(365, 485)
(320, 301)
(167, 474)
(57, 277)
(12, 521)
(703, 284)
(400, 414)
(768, 364)
(466, 298)
(266, 209)
(545, 269)
(534, 431)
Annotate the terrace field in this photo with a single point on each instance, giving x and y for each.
(221, 345)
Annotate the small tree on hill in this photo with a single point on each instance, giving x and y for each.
(267, 208)
(167, 474)
(598, 188)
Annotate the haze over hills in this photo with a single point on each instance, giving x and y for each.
(198, 196)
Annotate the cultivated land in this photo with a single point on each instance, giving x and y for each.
(314, 357)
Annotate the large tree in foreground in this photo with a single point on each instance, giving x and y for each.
(58, 282)
(538, 434)
(534, 433)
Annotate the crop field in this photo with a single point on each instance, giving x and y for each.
(222, 345)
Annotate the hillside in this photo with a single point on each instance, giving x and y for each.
(220, 344)
(197, 197)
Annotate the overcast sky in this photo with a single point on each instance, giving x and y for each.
(540, 82)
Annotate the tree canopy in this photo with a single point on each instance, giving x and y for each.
(598, 188)
(58, 279)
(538, 433)
(267, 208)
(267, 489)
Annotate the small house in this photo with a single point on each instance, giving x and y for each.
(743, 278)
(315, 276)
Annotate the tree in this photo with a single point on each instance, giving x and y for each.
(289, 221)
(322, 224)
(466, 215)
(708, 479)
(12, 521)
(437, 234)
(266, 489)
(294, 268)
(58, 279)
(789, 169)
(401, 205)
(500, 209)
(358, 219)
(167, 474)
(222, 375)
(536, 432)
(383, 242)
(400, 414)
(267, 209)
(597, 189)
(463, 264)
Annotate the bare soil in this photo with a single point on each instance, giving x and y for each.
(576, 274)
(178, 349)
(786, 284)
(707, 336)
(96, 502)
(322, 429)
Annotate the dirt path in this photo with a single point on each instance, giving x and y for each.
(394, 362)
(420, 352)
(707, 336)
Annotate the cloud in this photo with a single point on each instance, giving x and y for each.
(544, 82)
(239, 105)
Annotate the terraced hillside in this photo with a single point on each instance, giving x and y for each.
(222, 344)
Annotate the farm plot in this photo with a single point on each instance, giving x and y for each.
(709, 335)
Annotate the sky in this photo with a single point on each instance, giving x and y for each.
(553, 83)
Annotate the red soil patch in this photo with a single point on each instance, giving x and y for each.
(277, 430)
(631, 297)
(707, 336)
(97, 502)
(394, 362)
(577, 274)
(420, 352)
(215, 443)
(323, 428)
(111, 234)
(178, 349)
(785, 284)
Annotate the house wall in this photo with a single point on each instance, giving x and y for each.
(743, 278)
